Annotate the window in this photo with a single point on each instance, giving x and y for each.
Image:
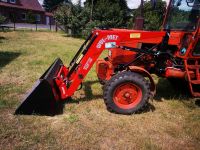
(12, 1)
(38, 18)
(4, 0)
(183, 16)
(23, 16)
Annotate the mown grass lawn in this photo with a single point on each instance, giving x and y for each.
(172, 121)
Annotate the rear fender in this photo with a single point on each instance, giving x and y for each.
(145, 73)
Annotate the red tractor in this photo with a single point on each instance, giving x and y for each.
(133, 55)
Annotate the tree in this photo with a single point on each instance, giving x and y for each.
(51, 4)
(69, 16)
(110, 13)
(153, 18)
(105, 13)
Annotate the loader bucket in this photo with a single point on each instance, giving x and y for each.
(43, 99)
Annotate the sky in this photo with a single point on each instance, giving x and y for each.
(131, 3)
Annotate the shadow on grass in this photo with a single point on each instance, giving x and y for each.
(89, 96)
(197, 102)
(166, 90)
(74, 36)
(7, 57)
(2, 39)
(172, 89)
(6, 30)
(88, 91)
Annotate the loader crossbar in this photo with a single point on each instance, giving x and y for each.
(80, 50)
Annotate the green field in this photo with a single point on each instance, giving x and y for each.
(172, 121)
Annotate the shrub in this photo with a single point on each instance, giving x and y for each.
(2, 19)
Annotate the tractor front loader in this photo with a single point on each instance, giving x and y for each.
(133, 55)
(59, 82)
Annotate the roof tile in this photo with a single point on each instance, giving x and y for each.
(25, 4)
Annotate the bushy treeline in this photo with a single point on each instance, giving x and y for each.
(2, 19)
(78, 20)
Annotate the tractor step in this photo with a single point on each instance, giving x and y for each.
(193, 72)
(196, 94)
(195, 82)
(193, 66)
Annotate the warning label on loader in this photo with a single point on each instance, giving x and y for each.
(107, 38)
(135, 35)
(87, 65)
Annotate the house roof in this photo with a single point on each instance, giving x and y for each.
(24, 4)
(48, 14)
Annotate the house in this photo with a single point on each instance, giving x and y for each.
(20, 11)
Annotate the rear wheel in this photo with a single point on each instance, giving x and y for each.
(126, 93)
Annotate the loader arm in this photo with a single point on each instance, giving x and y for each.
(84, 60)
(90, 51)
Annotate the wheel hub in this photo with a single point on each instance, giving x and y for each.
(127, 95)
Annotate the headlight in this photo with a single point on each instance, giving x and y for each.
(110, 45)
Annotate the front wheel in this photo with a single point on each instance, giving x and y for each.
(126, 93)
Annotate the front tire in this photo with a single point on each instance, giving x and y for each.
(126, 93)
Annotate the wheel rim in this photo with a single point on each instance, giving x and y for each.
(127, 95)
